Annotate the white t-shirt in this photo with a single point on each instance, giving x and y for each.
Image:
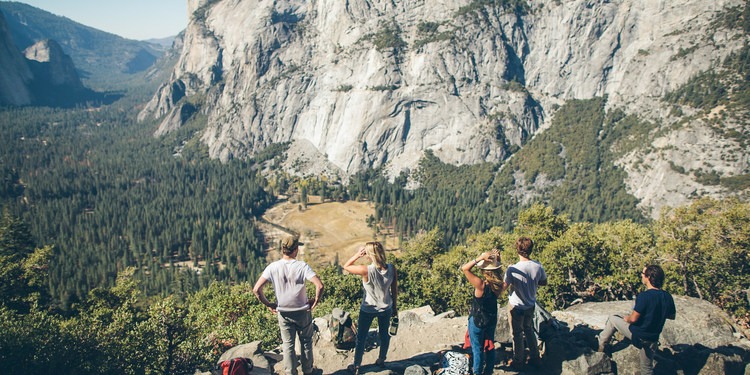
(523, 278)
(288, 278)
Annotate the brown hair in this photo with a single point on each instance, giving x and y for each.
(655, 275)
(289, 244)
(376, 253)
(524, 246)
(494, 279)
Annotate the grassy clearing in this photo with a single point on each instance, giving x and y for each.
(331, 231)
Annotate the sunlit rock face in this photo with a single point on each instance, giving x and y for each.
(53, 66)
(375, 83)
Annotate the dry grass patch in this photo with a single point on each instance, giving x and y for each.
(330, 230)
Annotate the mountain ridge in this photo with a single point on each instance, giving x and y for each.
(103, 59)
(375, 84)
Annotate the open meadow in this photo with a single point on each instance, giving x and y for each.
(331, 231)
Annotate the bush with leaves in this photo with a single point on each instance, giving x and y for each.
(342, 290)
(224, 316)
(705, 248)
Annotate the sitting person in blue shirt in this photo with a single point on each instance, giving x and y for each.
(643, 326)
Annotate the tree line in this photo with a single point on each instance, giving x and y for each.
(704, 249)
(108, 196)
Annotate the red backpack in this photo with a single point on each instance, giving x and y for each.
(236, 366)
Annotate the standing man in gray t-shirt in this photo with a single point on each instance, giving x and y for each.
(293, 309)
(523, 278)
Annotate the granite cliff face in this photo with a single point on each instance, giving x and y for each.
(15, 75)
(370, 83)
(51, 65)
(42, 75)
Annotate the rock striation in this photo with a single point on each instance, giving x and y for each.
(372, 83)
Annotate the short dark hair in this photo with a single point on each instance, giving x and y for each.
(524, 246)
(655, 275)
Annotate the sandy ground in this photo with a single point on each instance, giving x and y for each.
(331, 231)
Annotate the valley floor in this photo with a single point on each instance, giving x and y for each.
(331, 231)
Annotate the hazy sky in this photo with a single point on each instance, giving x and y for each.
(132, 19)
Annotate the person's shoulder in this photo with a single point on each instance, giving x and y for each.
(301, 263)
(655, 294)
(667, 295)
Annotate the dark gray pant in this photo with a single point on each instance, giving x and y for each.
(292, 323)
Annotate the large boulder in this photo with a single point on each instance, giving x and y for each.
(253, 351)
(697, 321)
(702, 340)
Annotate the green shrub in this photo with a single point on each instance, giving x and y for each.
(388, 38)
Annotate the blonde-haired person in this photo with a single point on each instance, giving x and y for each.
(380, 292)
(483, 315)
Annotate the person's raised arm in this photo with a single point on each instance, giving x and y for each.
(258, 291)
(475, 281)
(318, 291)
(354, 269)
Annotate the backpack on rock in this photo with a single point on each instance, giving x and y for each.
(453, 363)
(236, 366)
(341, 327)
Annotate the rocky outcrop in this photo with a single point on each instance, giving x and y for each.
(42, 75)
(701, 340)
(375, 83)
(52, 66)
(15, 74)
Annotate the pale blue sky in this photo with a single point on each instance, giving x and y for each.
(132, 19)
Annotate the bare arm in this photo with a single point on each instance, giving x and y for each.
(475, 281)
(632, 318)
(350, 267)
(318, 291)
(258, 291)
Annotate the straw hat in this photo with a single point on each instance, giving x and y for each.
(489, 265)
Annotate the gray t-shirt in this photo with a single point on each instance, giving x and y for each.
(377, 289)
(288, 278)
(523, 278)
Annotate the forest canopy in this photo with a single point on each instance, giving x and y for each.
(704, 248)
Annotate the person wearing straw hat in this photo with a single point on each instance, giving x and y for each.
(483, 315)
(292, 306)
(523, 278)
